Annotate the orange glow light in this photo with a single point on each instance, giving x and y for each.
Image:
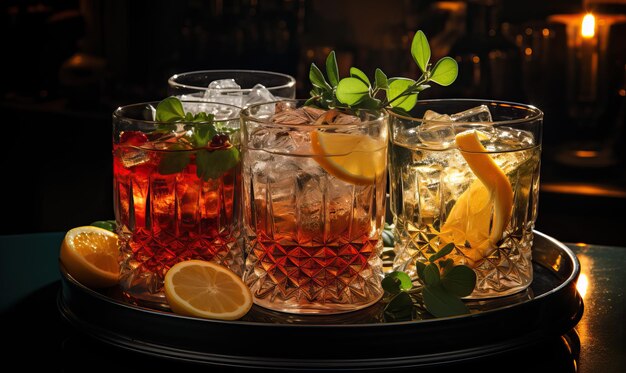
(588, 29)
(582, 284)
(587, 153)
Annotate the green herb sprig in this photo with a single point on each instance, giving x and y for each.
(441, 285)
(201, 128)
(109, 225)
(398, 94)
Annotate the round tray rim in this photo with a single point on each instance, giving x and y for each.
(572, 277)
(492, 344)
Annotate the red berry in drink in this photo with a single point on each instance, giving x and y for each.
(219, 140)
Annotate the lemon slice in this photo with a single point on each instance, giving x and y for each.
(90, 255)
(363, 159)
(470, 219)
(204, 289)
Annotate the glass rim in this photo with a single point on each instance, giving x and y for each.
(173, 83)
(246, 116)
(117, 113)
(537, 113)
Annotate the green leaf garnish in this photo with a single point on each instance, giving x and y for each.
(446, 264)
(201, 128)
(317, 78)
(443, 284)
(369, 103)
(213, 164)
(431, 275)
(202, 134)
(419, 268)
(351, 91)
(356, 73)
(445, 71)
(396, 282)
(331, 69)
(441, 303)
(381, 79)
(459, 280)
(420, 50)
(396, 94)
(109, 225)
(400, 307)
(447, 249)
(357, 92)
(170, 110)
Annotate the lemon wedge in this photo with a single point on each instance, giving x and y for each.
(90, 255)
(362, 159)
(204, 289)
(470, 219)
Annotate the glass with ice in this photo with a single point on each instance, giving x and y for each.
(314, 206)
(466, 172)
(235, 87)
(176, 192)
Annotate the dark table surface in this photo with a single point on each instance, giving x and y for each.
(37, 337)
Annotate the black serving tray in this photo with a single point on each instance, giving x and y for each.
(550, 308)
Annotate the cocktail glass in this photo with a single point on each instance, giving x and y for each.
(466, 172)
(174, 200)
(314, 207)
(236, 87)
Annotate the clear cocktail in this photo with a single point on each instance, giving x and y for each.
(471, 181)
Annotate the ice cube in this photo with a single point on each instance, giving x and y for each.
(476, 114)
(226, 91)
(132, 157)
(276, 140)
(438, 135)
(433, 115)
(258, 95)
(290, 116)
(222, 84)
(438, 130)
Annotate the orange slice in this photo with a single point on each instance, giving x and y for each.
(470, 219)
(362, 160)
(204, 289)
(90, 255)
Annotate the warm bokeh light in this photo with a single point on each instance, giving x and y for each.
(586, 153)
(588, 29)
(582, 284)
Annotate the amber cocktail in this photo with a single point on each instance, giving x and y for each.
(314, 206)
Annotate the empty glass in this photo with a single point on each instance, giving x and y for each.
(236, 87)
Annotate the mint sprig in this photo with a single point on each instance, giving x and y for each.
(201, 129)
(441, 287)
(397, 93)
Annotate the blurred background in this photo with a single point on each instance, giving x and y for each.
(69, 64)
